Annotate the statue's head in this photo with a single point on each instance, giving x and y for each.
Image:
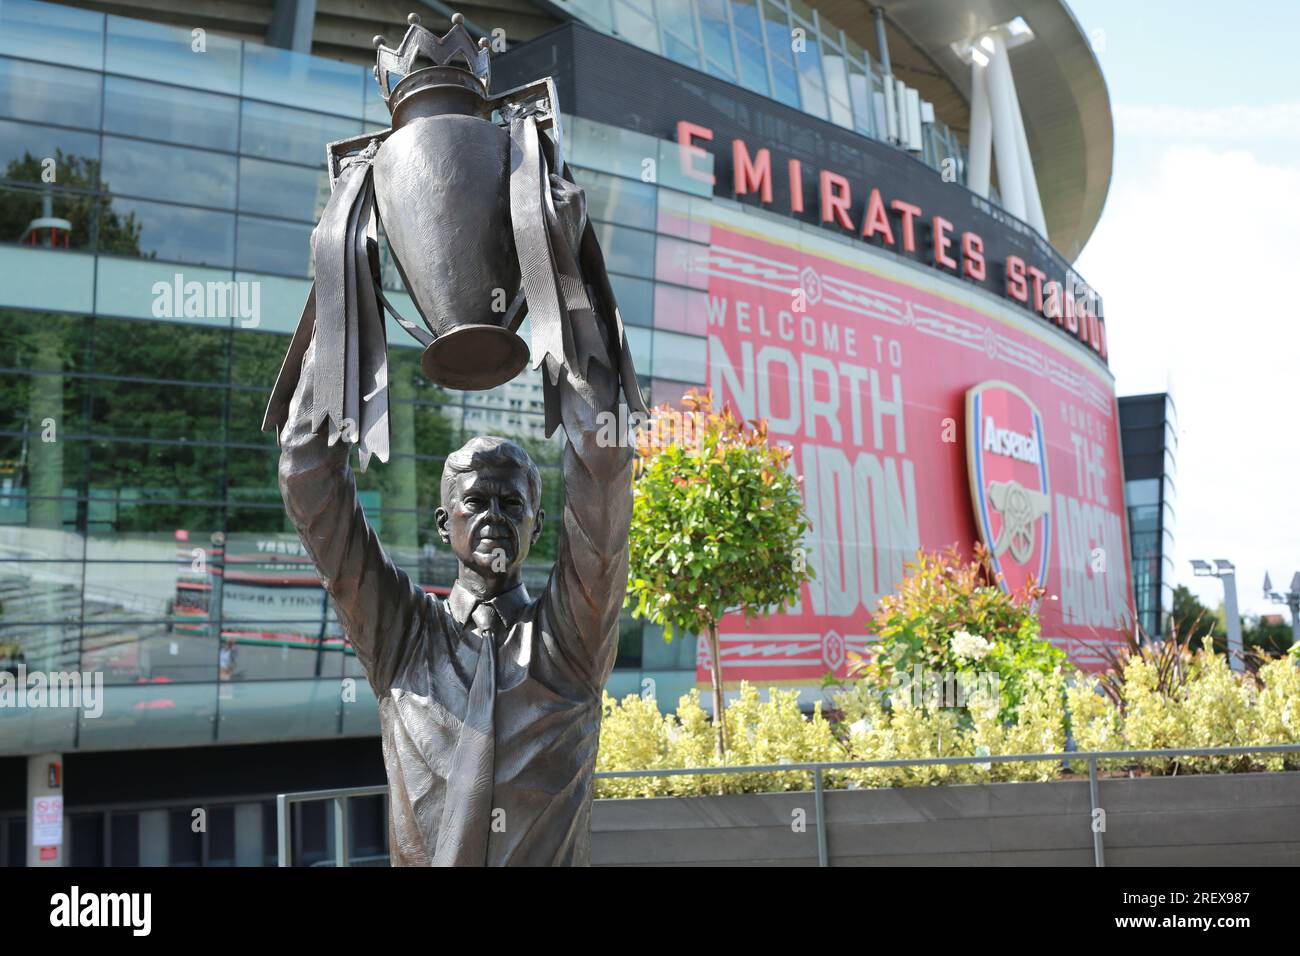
(491, 512)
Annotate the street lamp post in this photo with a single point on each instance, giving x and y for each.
(1227, 573)
(1291, 599)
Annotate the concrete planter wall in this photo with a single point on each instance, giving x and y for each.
(1207, 820)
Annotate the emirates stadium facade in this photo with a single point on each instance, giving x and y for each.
(856, 221)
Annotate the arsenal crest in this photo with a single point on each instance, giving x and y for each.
(1006, 455)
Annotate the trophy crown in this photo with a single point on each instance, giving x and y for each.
(422, 49)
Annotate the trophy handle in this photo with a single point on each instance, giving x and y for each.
(537, 98)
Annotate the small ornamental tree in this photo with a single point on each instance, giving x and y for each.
(951, 616)
(717, 525)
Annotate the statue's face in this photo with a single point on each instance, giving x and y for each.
(489, 521)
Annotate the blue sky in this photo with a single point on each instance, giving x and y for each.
(1195, 254)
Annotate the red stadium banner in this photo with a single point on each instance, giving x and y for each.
(865, 366)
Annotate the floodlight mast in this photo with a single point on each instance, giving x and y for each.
(1291, 599)
(1227, 573)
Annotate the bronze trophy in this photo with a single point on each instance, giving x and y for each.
(485, 225)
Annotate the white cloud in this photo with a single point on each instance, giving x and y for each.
(1197, 257)
(1251, 125)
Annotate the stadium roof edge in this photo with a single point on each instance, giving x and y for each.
(1062, 92)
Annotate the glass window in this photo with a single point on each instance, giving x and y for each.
(860, 95)
(780, 55)
(627, 250)
(46, 31)
(277, 189)
(35, 91)
(609, 149)
(680, 51)
(635, 299)
(293, 136)
(156, 350)
(177, 55)
(837, 86)
(678, 262)
(628, 202)
(170, 233)
(308, 82)
(717, 38)
(186, 845)
(180, 412)
(680, 357)
(744, 15)
(87, 839)
(25, 146)
(753, 64)
(18, 208)
(271, 245)
(1142, 492)
(125, 839)
(681, 310)
(171, 173)
(812, 87)
(158, 111)
(632, 24)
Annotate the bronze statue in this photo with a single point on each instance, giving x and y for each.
(490, 700)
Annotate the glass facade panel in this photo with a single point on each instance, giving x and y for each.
(56, 34)
(290, 135)
(272, 245)
(157, 111)
(182, 57)
(307, 82)
(42, 93)
(25, 146)
(170, 233)
(171, 173)
(277, 189)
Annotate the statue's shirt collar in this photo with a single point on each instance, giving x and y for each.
(509, 604)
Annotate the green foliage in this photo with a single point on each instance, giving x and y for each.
(1196, 622)
(1213, 707)
(941, 605)
(717, 520)
(635, 736)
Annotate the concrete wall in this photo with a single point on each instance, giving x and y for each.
(1211, 820)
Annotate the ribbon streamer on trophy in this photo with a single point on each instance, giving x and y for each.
(485, 225)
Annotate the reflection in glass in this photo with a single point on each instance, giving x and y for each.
(172, 233)
(272, 245)
(159, 111)
(35, 91)
(277, 189)
(58, 34)
(308, 82)
(154, 51)
(289, 135)
(170, 173)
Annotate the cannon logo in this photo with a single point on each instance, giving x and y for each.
(1006, 456)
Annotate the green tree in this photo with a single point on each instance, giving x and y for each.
(717, 526)
(1192, 621)
(74, 193)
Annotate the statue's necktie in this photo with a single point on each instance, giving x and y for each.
(467, 810)
(487, 621)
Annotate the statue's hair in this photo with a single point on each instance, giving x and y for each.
(490, 450)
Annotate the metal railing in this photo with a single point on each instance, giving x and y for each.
(340, 798)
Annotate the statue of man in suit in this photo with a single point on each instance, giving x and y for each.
(489, 700)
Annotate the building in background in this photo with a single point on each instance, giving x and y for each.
(860, 227)
(1149, 436)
